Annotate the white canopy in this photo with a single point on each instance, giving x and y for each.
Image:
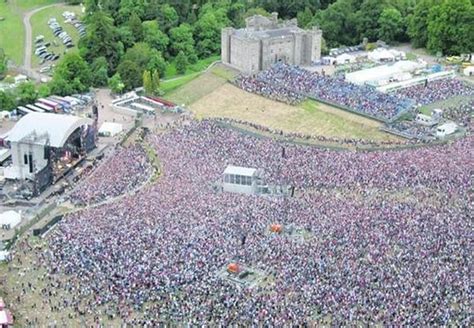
(11, 218)
(238, 170)
(345, 58)
(380, 54)
(469, 71)
(110, 129)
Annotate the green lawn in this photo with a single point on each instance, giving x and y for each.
(12, 33)
(192, 87)
(39, 24)
(31, 4)
(198, 67)
(172, 84)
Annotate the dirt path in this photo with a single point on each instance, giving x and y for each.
(29, 39)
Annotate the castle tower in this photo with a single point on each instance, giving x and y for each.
(226, 44)
(317, 36)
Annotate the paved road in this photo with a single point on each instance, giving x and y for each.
(29, 41)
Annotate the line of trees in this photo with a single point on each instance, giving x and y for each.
(125, 38)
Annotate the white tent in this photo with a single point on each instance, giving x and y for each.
(345, 59)
(110, 129)
(10, 218)
(4, 255)
(469, 71)
(381, 55)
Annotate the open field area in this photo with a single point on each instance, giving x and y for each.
(39, 24)
(12, 33)
(31, 4)
(311, 118)
(201, 65)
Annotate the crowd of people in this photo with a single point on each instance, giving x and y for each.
(292, 84)
(121, 173)
(388, 237)
(316, 139)
(461, 114)
(430, 92)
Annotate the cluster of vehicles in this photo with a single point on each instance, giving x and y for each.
(60, 33)
(41, 49)
(70, 18)
(55, 104)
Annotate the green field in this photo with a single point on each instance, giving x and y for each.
(12, 33)
(200, 66)
(190, 88)
(26, 5)
(39, 25)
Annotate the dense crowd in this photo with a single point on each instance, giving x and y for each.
(121, 173)
(315, 139)
(434, 91)
(461, 114)
(389, 237)
(293, 84)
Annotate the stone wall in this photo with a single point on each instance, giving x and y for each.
(245, 54)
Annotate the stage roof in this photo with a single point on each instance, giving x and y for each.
(58, 126)
(238, 170)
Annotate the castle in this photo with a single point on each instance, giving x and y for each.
(264, 41)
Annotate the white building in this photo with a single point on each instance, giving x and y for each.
(242, 180)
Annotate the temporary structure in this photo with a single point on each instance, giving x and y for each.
(110, 129)
(10, 219)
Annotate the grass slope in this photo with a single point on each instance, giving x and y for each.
(191, 88)
(310, 118)
(39, 25)
(12, 33)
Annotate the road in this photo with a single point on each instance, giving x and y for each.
(27, 69)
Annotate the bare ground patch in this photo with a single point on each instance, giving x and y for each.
(310, 118)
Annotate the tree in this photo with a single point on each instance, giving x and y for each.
(72, 75)
(156, 82)
(181, 63)
(367, 23)
(208, 31)
(99, 76)
(7, 101)
(44, 91)
(391, 25)
(338, 22)
(3, 63)
(167, 17)
(128, 8)
(115, 83)
(130, 74)
(451, 27)
(26, 93)
(418, 22)
(101, 40)
(140, 54)
(154, 36)
(147, 83)
(157, 63)
(135, 26)
(182, 40)
(304, 17)
(124, 34)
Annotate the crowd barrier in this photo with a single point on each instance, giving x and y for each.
(48, 225)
